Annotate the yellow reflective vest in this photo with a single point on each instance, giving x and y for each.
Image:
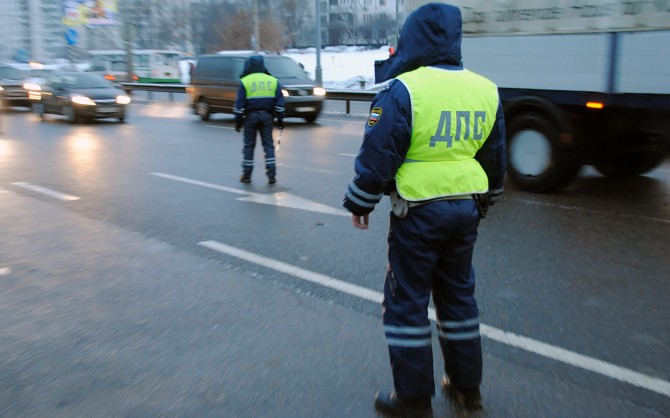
(453, 113)
(259, 85)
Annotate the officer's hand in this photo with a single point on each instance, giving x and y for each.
(238, 126)
(280, 123)
(360, 222)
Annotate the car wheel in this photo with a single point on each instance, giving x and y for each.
(122, 118)
(70, 114)
(311, 117)
(202, 109)
(38, 109)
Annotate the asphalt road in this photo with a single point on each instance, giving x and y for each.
(138, 277)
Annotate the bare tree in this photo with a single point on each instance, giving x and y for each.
(298, 21)
(383, 27)
(237, 32)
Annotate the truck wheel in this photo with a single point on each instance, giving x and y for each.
(630, 157)
(202, 109)
(537, 161)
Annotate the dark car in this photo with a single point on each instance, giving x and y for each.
(12, 92)
(81, 96)
(216, 78)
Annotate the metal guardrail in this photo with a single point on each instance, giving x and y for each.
(347, 95)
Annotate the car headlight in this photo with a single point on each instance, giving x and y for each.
(319, 91)
(32, 86)
(1, 89)
(284, 93)
(122, 99)
(82, 100)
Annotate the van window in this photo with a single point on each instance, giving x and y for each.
(283, 67)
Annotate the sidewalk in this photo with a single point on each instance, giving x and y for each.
(97, 321)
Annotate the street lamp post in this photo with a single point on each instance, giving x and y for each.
(397, 24)
(318, 75)
(256, 42)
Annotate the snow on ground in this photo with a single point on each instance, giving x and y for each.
(342, 68)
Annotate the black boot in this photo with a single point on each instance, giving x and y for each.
(468, 399)
(245, 179)
(390, 404)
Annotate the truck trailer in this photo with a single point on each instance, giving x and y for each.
(583, 82)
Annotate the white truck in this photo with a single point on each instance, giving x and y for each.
(582, 82)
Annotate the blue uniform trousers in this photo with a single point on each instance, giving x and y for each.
(431, 250)
(258, 121)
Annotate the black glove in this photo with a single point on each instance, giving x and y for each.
(280, 123)
(238, 125)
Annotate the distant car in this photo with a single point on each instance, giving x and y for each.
(114, 71)
(81, 96)
(12, 92)
(216, 78)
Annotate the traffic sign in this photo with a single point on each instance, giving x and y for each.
(71, 36)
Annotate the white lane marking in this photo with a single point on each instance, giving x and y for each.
(220, 127)
(281, 199)
(201, 183)
(5, 271)
(591, 211)
(348, 155)
(45, 191)
(547, 350)
(288, 200)
(315, 170)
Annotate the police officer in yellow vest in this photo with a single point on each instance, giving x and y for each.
(434, 141)
(259, 99)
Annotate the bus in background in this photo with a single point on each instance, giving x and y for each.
(149, 65)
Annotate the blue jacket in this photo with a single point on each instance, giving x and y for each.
(431, 36)
(243, 105)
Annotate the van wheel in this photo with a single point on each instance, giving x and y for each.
(202, 109)
(537, 161)
(311, 118)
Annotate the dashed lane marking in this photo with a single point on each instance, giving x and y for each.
(572, 358)
(281, 199)
(47, 192)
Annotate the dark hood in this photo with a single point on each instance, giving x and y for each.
(254, 64)
(431, 35)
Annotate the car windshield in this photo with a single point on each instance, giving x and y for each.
(283, 67)
(86, 81)
(9, 73)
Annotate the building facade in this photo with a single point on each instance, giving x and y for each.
(31, 30)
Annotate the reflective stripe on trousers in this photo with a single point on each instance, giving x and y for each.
(431, 251)
(258, 122)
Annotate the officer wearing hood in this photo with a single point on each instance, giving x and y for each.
(259, 99)
(434, 141)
